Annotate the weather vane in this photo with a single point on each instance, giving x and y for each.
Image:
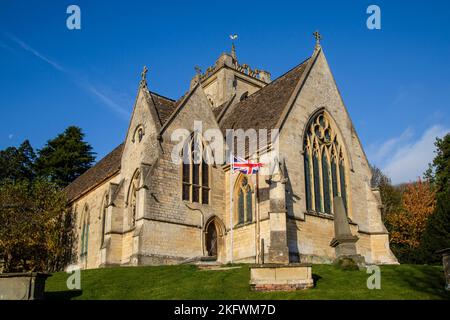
(233, 48)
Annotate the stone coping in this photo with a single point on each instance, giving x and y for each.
(277, 265)
(25, 274)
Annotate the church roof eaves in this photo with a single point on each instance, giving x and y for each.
(103, 170)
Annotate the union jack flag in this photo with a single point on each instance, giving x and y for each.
(245, 166)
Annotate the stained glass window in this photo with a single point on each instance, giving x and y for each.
(244, 201)
(83, 236)
(326, 184)
(248, 205)
(104, 211)
(308, 181)
(84, 233)
(334, 177)
(195, 173)
(317, 195)
(324, 174)
(241, 207)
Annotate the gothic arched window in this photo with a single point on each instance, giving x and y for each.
(85, 224)
(324, 165)
(195, 171)
(133, 207)
(103, 217)
(244, 204)
(133, 199)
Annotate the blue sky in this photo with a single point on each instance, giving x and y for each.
(394, 81)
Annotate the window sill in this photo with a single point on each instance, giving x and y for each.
(194, 205)
(328, 216)
(325, 215)
(241, 225)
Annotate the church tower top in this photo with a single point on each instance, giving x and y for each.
(228, 79)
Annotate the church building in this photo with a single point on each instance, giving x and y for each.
(136, 206)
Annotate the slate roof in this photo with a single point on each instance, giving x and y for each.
(263, 109)
(110, 164)
(101, 171)
(164, 106)
(260, 110)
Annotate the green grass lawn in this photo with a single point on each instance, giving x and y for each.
(188, 282)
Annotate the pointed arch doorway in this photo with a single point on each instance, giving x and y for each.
(213, 237)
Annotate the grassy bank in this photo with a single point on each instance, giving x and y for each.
(188, 282)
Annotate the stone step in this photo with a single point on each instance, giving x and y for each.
(200, 260)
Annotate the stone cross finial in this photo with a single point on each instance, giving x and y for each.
(198, 74)
(317, 36)
(144, 77)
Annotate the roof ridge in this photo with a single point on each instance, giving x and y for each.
(284, 74)
(161, 96)
(274, 81)
(156, 106)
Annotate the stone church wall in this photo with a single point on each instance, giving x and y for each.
(319, 92)
(93, 201)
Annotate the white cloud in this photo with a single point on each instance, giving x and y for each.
(409, 159)
(37, 54)
(379, 152)
(106, 100)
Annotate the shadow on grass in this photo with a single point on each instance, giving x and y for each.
(427, 280)
(63, 295)
(316, 279)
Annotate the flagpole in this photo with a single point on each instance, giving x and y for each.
(231, 207)
(258, 226)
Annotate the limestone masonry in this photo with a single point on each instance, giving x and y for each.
(137, 207)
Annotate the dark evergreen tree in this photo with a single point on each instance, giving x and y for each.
(437, 232)
(17, 163)
(65, 157)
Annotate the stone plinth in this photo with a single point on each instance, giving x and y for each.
(278, 249)
(273, 277)
(22, 286)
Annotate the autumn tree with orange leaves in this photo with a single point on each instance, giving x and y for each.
(408, 224)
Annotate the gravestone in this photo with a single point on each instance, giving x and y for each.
(446, 263)
(22, 286)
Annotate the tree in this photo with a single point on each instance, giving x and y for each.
(438, 171)
(391, 196)
(36, 233)
(437, 232)
(65, 157)
(406, 209)
(17, 163)
(408, 224)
